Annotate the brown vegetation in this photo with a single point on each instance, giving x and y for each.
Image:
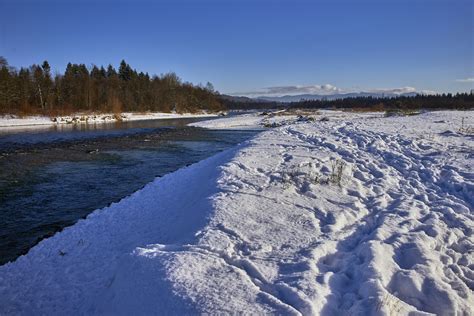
(33, 90)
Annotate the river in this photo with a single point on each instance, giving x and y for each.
(50, 177)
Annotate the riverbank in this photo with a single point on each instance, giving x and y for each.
(342, 213)
(82, 118)
(50, 178)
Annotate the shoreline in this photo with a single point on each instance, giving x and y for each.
(12, 121)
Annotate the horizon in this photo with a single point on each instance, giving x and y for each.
(256, 48)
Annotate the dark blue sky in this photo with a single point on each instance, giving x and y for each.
(243, 46)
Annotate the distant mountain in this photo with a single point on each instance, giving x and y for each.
(299, 97)
(240, 99)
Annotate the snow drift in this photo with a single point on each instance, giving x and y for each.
(355, 214)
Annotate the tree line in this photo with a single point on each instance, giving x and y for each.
(34, 90)
(459, 101)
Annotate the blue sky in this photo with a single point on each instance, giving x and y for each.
(247, 46)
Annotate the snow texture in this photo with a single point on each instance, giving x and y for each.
(15, 121)
(353, 214)
(247, 121)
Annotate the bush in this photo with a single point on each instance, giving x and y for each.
(298, 176)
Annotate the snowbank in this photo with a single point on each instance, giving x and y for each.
(354, 214)
(87, 267)
(260, 120)
(13, 121)
(256, 120)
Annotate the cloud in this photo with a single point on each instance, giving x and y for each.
(323, 90)
(466, 80)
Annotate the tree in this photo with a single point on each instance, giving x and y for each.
(46, 85)
(125, 71)
(34, 90)
(3, 62)
(38, 78)
(209, 87)
(5, 88)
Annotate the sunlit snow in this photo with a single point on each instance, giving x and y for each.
(350, 214)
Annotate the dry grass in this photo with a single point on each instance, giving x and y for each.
(293, 112)
(298, 175)
(465, 129)
(401, 112)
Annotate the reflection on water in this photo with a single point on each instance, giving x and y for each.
(50, 179)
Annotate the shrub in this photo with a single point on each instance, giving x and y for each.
(337, 171)
(298, 176)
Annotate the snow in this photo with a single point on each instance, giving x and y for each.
(11, 120)
(248, 121)
(15, 121)
(353, 214)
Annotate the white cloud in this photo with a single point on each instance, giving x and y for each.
(466, 80)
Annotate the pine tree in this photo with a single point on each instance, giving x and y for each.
(46, 85)
(33, 90)
(38, 79)
(125, 71)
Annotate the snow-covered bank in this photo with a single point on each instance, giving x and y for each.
(13, 121)
(245, 121)
(260, 120)
(353, 214)
(87, 267)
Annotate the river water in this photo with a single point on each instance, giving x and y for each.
(50, 177)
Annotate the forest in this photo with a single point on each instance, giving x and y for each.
(459, 101)
(34, 90)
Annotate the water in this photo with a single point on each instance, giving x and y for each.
(50, 178)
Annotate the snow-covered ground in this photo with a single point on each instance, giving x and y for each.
(352, 214)
(14, 121)
(256, 120)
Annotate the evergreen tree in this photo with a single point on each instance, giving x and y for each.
(46, 85)
(125, 71)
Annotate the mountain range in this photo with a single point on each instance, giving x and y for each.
(299, 97)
